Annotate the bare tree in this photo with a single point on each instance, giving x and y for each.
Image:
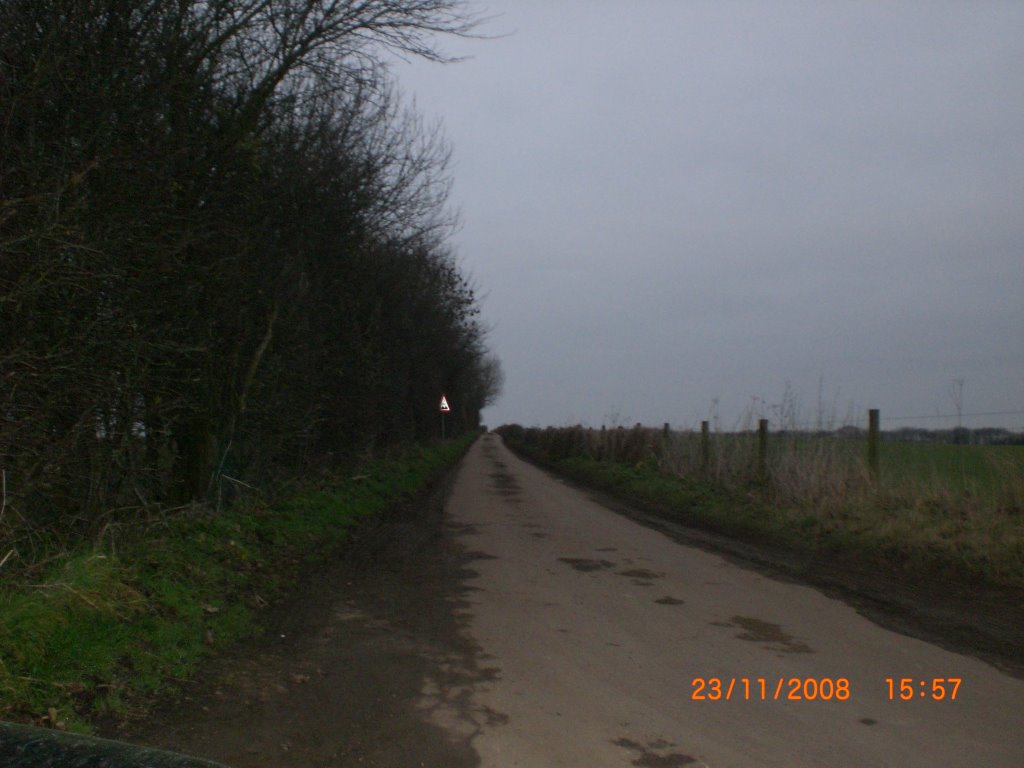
(221, 245)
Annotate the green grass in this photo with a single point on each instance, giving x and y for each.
(992, 474)
(101, 632)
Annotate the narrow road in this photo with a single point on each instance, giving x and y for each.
(520, 623)
(593, 630)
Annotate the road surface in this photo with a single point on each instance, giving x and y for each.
(521, 623)
(603, 634)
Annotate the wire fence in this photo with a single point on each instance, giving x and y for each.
(825, 469)
(781, 418)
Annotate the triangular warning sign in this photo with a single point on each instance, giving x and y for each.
(444, 404)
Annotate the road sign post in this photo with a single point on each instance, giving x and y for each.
(445, 408)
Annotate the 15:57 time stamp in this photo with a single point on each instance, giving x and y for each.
(818, 689)
(936, 688)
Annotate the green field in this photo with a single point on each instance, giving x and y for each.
(973, 475)
(991, 474)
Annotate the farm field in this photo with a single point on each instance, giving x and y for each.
(992, 473)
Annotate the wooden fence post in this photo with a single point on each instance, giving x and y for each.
(762, 449)
(705, 446)
(873, 443)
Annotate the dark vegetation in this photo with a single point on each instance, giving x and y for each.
(223, 256)
(228, 312)
(955, 436)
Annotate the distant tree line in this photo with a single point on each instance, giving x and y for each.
(222, 247)
(954, 436)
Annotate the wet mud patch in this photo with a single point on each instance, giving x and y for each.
(648, 755)
(505, 484)
(504, 480)
(667, 600)
(586, 565)
(758, 631)
(641, 573)
(493, 717)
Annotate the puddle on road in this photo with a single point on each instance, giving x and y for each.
(649, 758)
(506, 485)
(587, 565)
(667, 600)
(504, 481)
(641, 573)
(758, 631)
(478, 555)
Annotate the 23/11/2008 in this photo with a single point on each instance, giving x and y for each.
(761, 689)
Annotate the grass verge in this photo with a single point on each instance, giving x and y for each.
(919, 538)
(106, 628)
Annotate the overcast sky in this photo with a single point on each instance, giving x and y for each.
(673, 207)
